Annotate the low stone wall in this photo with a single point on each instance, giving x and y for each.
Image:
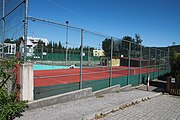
(66, 97)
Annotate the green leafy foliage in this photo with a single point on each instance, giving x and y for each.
(106, 46)
(10, 107)
(121, 45)
(175, 64)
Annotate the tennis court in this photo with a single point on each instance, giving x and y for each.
(66, 76)
(48, 67)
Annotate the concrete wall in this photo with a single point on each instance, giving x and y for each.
(66, 97)
(107, 90)
(26, 82)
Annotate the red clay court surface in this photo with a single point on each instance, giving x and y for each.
(65, 76)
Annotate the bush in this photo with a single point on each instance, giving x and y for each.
(175, 64)
(10, 107)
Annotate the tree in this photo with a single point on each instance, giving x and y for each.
(125, 42)
(106, 45)
(40, 43)
(7, 40)
(39, 47)
(18, 42)
(117, 45)
(175, 63)
(59, 45)
(128, 39)
(138, 39)
(10, 107)
(174, 43)
(121, 46)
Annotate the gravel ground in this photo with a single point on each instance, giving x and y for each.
(77, 110)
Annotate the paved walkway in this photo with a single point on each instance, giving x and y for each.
(163, 107)
(80, 109)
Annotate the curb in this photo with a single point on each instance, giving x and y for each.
(111, 89)
(122, 106)
(62, 98)
(126, 88)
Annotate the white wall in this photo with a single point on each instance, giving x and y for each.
(27, 82)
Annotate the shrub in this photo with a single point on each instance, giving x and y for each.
(10, 107)
(175, 64)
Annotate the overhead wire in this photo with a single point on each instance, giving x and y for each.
(80, 15)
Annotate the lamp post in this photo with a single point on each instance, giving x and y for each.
(66, 40)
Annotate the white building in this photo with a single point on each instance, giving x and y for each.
(34, 41)
(98, 53)
(11, 48)
(31, 43)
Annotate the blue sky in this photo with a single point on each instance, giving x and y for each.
(157, 21)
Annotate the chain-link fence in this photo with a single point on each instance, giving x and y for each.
(97, 60)
(68, 58)
(12, 26)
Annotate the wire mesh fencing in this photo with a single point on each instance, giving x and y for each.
(12, 26)
(68, 58)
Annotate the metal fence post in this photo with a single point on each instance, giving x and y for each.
(149, 61)
(159, 63)
(25, 30)
(129, 63)
(67, 41)
(42, 51)
(3, 27)
(69, 56)
(88, 55)
(164, 62)
(110, 80)
(168, 59)
(81, 60)
(140, 66)
(155, 63)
